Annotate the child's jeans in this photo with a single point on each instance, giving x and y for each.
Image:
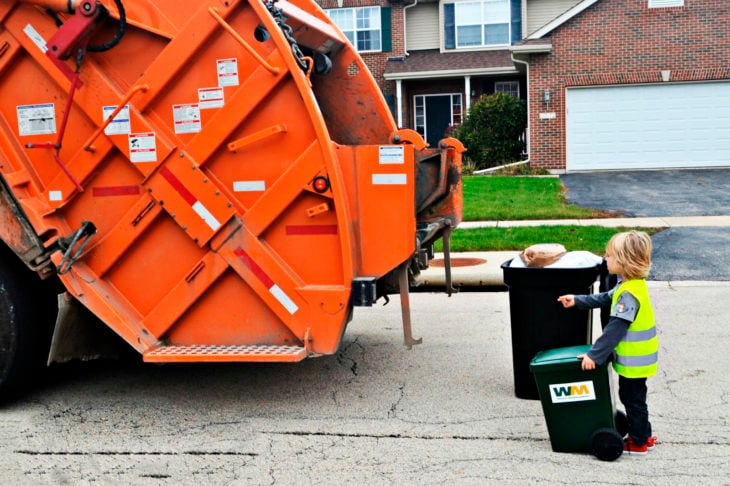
(632, 392)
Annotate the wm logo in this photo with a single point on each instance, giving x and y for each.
(572, 392)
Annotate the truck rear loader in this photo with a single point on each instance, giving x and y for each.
(208, 180)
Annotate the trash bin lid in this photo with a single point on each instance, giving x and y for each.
(559, 358)
(554, 278)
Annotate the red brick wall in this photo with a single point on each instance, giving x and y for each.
(623, 42)
(376, 61)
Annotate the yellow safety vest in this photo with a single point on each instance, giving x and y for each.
(637, 352)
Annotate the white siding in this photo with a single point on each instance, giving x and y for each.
(540, 12)
(422, 27)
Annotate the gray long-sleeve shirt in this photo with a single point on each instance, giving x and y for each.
(621, 318)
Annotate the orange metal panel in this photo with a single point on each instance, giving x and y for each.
(184, 295)
(130, 227)
(385, 179)
(284, 190)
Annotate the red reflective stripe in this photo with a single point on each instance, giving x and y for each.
(311, 229)
(115, 191)
(255, 269)
(175, 182)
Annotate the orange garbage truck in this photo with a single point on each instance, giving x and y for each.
(206, 180)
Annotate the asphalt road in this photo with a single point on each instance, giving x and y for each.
(701, 192)
(689, 253)
(375, 413)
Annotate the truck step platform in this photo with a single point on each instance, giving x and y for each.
(217, 353)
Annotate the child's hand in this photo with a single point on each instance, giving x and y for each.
(587, 364)
(567, 300)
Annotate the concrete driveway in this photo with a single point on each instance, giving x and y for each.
(687, 253)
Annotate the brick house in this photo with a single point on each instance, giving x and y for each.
(610, 84)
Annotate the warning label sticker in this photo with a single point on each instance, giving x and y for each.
(120, 125)
(210, 98)
(391, 154)
(36, 119)
(228, 72)
(142, 147)
(187, 118)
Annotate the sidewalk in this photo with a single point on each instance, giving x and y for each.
(483, 269)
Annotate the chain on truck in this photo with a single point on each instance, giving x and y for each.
(208, 181)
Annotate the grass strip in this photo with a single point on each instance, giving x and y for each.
(590, 238)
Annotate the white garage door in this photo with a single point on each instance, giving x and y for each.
(648, 127)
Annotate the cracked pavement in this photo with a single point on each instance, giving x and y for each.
(375, 413)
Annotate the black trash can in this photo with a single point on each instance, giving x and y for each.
(538, 321)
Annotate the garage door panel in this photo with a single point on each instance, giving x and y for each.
(648, 126)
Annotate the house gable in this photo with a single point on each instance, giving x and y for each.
(565, 16)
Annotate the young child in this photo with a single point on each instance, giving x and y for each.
(630, 334)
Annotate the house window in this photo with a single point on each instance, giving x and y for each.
(665, 3)
(482, 23)
(512, 88)
(361, 25)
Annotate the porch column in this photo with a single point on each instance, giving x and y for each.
(467, 90)
(399, 101)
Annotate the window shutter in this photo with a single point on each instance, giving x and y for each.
(386, 30)
(449, 26)
(516, 16)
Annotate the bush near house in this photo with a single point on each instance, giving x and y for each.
(492, 132)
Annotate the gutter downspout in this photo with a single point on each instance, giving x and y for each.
(405, 28)
(527, 76)
(399, 82)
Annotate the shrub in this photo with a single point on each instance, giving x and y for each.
(492, 132)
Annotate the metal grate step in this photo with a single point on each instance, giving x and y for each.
(217, 353)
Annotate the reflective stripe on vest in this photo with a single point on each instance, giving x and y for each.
(636, 336)
(645, 360)
(637, 353)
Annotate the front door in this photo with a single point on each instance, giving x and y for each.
(434, 114)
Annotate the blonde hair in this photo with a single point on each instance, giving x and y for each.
(632, 250)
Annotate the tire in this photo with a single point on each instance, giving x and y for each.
(27, 310)
(622, 423)
(607, 444)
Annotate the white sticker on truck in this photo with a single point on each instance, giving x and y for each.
(391, 154)
(210, 98)
(36, 119)
(142, 147)
(187, 118)
(227, 72)
(37, 39)
(249, 186)
(120, 125)
(389, 179)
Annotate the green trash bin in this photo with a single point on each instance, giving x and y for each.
(579, 407)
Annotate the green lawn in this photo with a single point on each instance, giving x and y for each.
(506, 198)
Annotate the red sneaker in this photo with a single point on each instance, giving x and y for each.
(632, 449)
(651, 442)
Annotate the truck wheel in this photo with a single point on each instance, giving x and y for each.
(607, 444)
(25, 329)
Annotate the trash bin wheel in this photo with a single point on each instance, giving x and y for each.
(607, 444)
(622, 423)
